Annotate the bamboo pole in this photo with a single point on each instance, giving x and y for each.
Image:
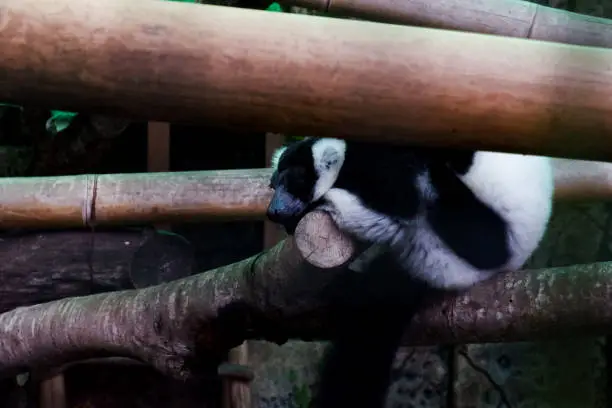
(299, 74)
(582, 180)
(84, 200)
(75, 201)
(511, 18)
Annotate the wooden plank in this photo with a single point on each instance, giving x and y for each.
(158, 146)
(158, 153)
(53, 392)
(272, 233)
(238, 394)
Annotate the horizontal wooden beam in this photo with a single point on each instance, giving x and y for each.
(511, 18)
(72, 201)
(111, 199)
(300, 74)
(37, 267)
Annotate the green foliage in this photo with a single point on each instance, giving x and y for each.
(59, 121)
(294, 138)
(301, 392)
(173, 234)
(302, 396)
(275, 7)
(14, 161)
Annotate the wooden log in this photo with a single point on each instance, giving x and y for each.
(511, 18)
(40, 267)
(70, 201)
(579, 180)
(322, 76)
(183, 327)
(184, 318)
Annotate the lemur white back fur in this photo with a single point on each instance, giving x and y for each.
(518, 187)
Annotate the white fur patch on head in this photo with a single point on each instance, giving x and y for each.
(328, 157)
(276, 157)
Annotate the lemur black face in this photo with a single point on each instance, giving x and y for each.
(293, 182)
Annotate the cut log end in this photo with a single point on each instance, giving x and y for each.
(321, 243)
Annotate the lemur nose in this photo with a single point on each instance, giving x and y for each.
(274, 215)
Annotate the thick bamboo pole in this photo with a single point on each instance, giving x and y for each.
(512, 18)
(72, 201)
(300, 74)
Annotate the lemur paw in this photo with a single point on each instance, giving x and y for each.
(334, 200)
(341, 198)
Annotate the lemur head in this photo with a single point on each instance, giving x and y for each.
(303, 172)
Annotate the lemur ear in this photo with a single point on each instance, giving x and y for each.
(276, 157)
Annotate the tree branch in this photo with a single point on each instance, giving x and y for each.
(184, 327)
(186, 322)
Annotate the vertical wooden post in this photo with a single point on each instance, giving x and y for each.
(158, 146)
(53, 392)
(238, 394)
(158, 151)
(272, 234)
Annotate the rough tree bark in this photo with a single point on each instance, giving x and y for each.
(45, 266)
(184, 327)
